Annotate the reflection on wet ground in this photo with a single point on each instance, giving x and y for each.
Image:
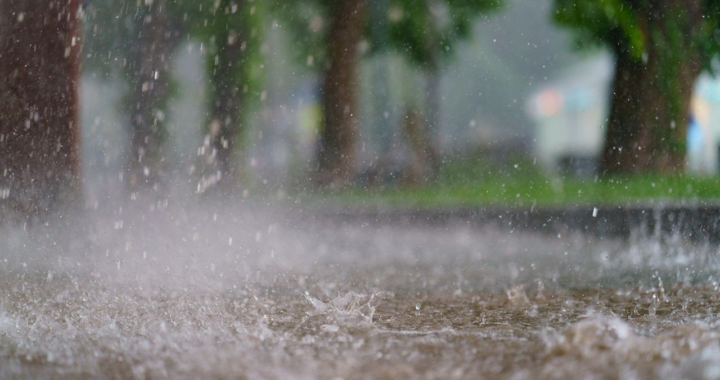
(207, 295)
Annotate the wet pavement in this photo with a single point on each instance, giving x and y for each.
(257, 294)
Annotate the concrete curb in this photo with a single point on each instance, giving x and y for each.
(696, 223)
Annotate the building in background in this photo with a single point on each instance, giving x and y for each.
(570, 114)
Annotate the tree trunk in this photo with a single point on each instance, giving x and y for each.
(419, 169)
(643, 133)
(336, 153)
(150, 76)
(381, 107)
(382, 112)
(226, 98)
(434, 105)
(39, 131)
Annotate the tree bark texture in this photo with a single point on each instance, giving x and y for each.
(39, 116)
(337, 147)
(643, 133)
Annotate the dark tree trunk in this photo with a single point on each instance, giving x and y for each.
(643, 135)
(434, 106)
(645, 131)
(224, 125)
(382, 111)
(39, 131)
(150, 79)
(381, 107)
(336, 153)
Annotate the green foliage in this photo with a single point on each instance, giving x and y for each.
(213, 22)
(636, 26)
(426, 31)
(206, 19)
(306, 23)
(668, 37)
(255, 17)
(602, 22)
(711, 45)
(109, 29)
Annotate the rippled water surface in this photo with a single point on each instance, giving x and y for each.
(268, 295)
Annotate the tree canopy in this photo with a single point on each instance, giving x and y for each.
(661, 47)
(633, 24)
(633, 27)
(426, 31)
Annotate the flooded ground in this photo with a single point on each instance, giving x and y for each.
(250, 294)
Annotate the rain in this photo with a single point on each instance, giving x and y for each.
(359, 189)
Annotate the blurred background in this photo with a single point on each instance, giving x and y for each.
(432, 102)
(491, 102)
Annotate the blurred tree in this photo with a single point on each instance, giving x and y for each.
(661, 47)
(136, 40)
(39, 131)
(108, 32)
(382, 109)
(336, 152)
(426, 33)
(422, 153)
(231, 32)
(149, 72)
(329, 34)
